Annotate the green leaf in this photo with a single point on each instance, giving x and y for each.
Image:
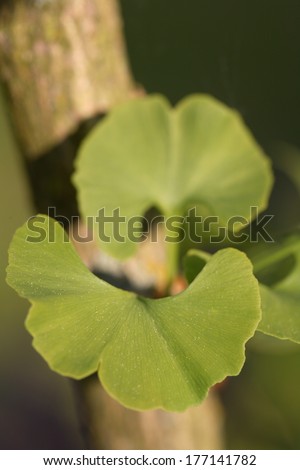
(162, 353)
(145, 154)
(193, 263)
(277, 267)
(281, 299)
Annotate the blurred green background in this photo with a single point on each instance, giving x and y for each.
(246, 53)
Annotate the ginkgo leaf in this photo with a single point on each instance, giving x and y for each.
(193, 262)
(281, 299)
(162, 353)
(146, 154)
(277, 267)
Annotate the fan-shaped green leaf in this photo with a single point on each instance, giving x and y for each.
(148, 353)
(281, 299)
(277, 267)
(146, 154)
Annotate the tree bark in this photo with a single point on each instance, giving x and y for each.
(108, 425)
(64, 61)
